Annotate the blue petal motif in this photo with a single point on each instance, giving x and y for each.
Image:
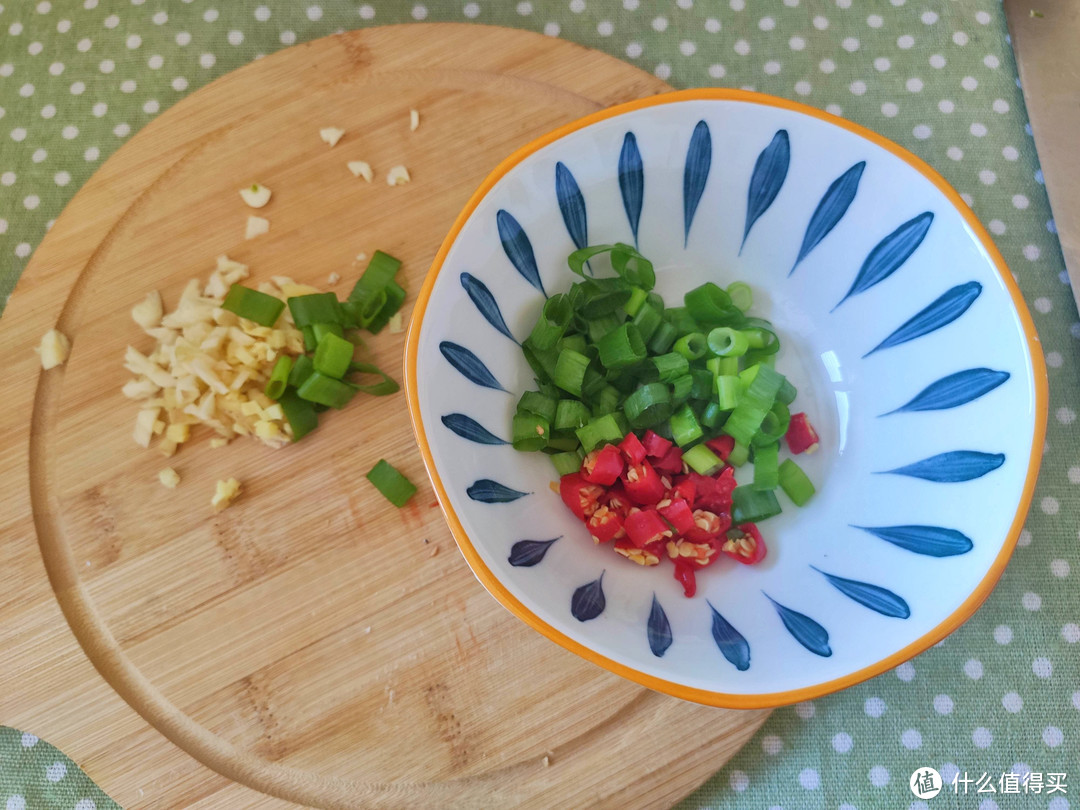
(730, 641)
(485, 302)
(698, 162)
(469, 365)
(874, 597)
(572, 205)
(946, 309)
(468, 428)
(770, 171)
(527, 553)
(631, 182)
(956, 389)
(948, 468)
(933, 541)
(805, 630)
(889, 254)
(518, 248)
(588, 601)
(487, 491)
(658, 630)
(830, 210)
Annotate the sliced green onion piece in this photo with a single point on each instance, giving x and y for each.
(728, 389)
(602, 296)
(739, 455)
(649, 404)
(726, 342)
(787, 393)
(599, 430)
(755, 402)
(570, 414)
(684, 426)
(702, 460)
(766, 467)
(711, 415)
(593, 383)
(380, 389)
(681, 388)
(302, 369)
(350, 314)
(601, 326)
(542, 362)
(570, 371)
(621, 347)
(681, 319)
(566, 463)
(256, 306)
(795, 483)
(321, 330)
(751, 505)
(607, 401)
(325, 390)
(691, 346)
(663, 338)
(300, 414)
(552, 323)
(773, 426)
(310, 343)
(308, 310)
(632, 266)
(394, 486)
(529, 432)
(762, 341)
(647, 320)
(670, 366)
(333, 355)
(576, 342)
(708, 304)
(727, 366)
(562, 443)
(380, 271)
(703, 384)
(279, 377)
(741, 295)
(637, 298)
(537, 403)
(394, 298)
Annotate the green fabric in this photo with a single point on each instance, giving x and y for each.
(77, 78)
(36, 776)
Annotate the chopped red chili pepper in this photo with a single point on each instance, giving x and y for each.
(684, 489)
(579, 495)
(656, 445)
(684, 574)
(632, 449)
(747, 546)
(671, 462)
(603, 466)
(616, 499)
(646, 526)
(801, 436)
(678, 514)
(642, 484)
(707, 525)
(605, 524)
(714, 493)
(649, 555)
(721, 445)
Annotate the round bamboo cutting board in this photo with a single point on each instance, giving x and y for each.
(311, 642)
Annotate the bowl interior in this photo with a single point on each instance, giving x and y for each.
(829, 602)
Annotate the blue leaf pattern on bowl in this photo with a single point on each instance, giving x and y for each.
(588, 601)
(658, 629)
(946, 309)
(468, 428)
(572, 205)
(804, 629)
(770, 171)
(469, 365)
(730, 641)
(889, 254)
(518, 248)
(486, 303)
(951, 467)
(631, 182)
(527, 553)
(695, 174)
(932, 541)
(830, 210)
(955, 390)
(487, 491)
(874, 597)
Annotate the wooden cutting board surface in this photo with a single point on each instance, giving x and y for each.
(311, 642)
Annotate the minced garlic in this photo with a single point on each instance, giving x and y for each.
(397, 176)
(225, 493)
(54, 349)
(169, 478)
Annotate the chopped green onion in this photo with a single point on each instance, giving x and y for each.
(637, 298)
(681, 388)
(727, 366)
(570, 371)
(552, 323)
(751, 505)
(670, 366)
(301, 370)
(773, 426)
(795, 483)
(649, 404)
(325, 390)
(350, 314)
(663, 338)
(308, 310)
(256, 306)
(570, 414)
(607, 401)
(333, 355)
(575, 342)
(537, 403)
(691, 346)
(379, 273)
(394, 486)
(708, 304)
(602, 326)
(279, 377)
(755, 402)
(320, 330)
(728, 389)
(741, 295)
(766, 470)
(726, 342)
(530, 432)
(394, 298)
(647, 320)
(602, 296)
(681, 319)
(300, 414)
(703, 384)
(787, 393)
(593, 383)
(562, 443)
(542, 362)
(711, 415)
(599, 430)
(379, 389)
(621, 348)
(310, 342)
(702, 460)
(566, 463)
(684, 426)
(739, 455)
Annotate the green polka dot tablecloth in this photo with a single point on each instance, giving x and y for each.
(998, 702)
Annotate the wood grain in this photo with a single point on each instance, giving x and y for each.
(308, 642)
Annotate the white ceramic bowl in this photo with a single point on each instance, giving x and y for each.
(926, 383)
